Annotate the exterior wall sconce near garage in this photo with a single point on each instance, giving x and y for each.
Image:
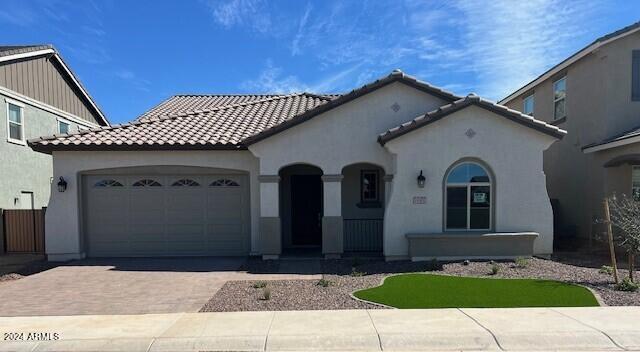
(62, 185)
(421, 180)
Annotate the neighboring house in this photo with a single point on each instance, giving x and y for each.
(39, 95)
(595, 96)
(397, 166)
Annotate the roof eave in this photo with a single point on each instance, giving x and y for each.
(48, 149)
(611, 144)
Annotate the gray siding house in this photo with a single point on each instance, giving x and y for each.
(39, 95)
(595, 96)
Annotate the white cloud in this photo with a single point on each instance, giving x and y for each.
(251, 13)
(133, 80)
(295, 44)
(272, 79)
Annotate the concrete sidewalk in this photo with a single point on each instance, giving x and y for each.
(570, 329)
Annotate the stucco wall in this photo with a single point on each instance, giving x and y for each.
(22, 168)
(346, 134)
(598, 106)
(63, 218)
(512, 152)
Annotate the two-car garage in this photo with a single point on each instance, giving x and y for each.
(163, 214)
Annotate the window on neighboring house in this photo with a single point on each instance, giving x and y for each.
(527, 105)
(559, 98)
(468, 198)
(635, 182)
(63, 127)
(635, 75)
(15, 123)
(369, 186)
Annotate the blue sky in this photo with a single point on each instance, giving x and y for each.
(132, 55)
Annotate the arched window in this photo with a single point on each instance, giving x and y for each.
(108, 183)
(185, 182)
(468, 198)
(224, 182)
(146, 183)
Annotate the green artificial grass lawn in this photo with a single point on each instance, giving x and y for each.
(439, 291)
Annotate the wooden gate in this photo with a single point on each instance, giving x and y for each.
(24, 230)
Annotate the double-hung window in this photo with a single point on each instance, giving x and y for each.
(527, 105)
(635, 182)
(15, 122)
(559, 98)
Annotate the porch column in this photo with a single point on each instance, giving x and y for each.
(332, 227)
(270, 236)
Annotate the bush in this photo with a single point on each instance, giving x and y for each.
(266, 294)
(356, 273)
(494, 269)
(606, 269)
(259, 284)
(627, 285)
(324, 283)
(522, 262)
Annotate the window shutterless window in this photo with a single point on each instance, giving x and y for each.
(369, 186)
(468, 198)
(635, 75)
(559, 98)
(15, 123)
(635, 182)
(527, 105)
(63, 127)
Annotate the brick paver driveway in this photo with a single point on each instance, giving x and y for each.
(124, 286)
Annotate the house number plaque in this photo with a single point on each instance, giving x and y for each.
(420, 200)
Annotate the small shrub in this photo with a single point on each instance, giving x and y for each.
(606, 269)
(627, 285)
(259, 284)
(266, 294)
(356, 273)
(494, 269)
(466, 262)
(522, 262)
(324, 283)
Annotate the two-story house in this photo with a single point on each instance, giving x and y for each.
(594, 95)
(39, 95)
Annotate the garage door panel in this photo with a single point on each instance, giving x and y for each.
(166, 215)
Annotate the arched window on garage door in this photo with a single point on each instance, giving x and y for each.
(185, 182)
(468, 198)
(224, 182)
(147, 182)
(108, 183)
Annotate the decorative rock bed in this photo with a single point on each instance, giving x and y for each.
(348, 275)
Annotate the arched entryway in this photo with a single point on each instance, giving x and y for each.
(363, 202)
(301, 208)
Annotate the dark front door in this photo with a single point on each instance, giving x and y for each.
(306, 210)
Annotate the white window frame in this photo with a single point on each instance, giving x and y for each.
(22, 141)
(634, 169)
(468, 186)
(60, 120)
(524, 103)
(553, 88)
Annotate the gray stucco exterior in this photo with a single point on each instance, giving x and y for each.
(599, 105)
(24, 170)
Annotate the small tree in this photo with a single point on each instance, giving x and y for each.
(625, 217)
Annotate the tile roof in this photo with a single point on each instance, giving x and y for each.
(460, 104)
(222, 127)
(6, 50)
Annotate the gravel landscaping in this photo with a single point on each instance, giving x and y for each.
(18, 272)
(348, 275)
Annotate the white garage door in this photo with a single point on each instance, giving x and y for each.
(164, 215)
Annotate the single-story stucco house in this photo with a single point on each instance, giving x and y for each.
(397, 166)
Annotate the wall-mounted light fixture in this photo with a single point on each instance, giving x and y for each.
(421, 180)
(62, 185)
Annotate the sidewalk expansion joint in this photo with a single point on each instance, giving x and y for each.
(153, 340)
(376, 329)
(266, 338)
(591, 327)
(484, 327)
